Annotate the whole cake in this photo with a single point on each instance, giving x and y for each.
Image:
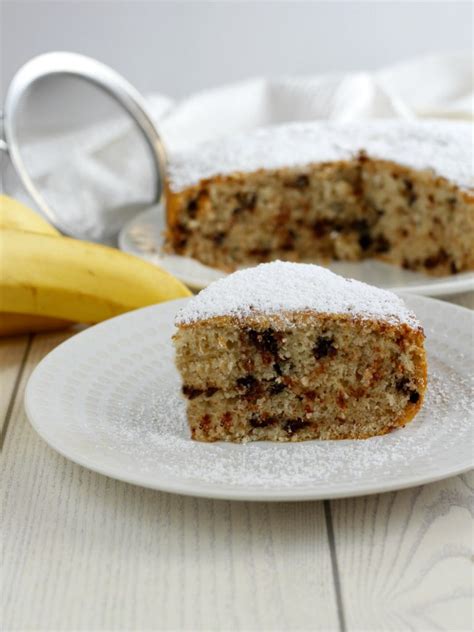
(397, 191)
(288, 352)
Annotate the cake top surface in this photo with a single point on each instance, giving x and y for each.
(283, 288)
(445, 147)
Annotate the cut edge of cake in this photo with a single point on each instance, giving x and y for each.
(290, 375)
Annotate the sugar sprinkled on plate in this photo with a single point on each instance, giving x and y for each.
(159, 426)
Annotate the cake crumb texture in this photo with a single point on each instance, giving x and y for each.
(401, 192)
(314, 356)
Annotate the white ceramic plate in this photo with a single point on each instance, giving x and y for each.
(143, 237)
(109, 399)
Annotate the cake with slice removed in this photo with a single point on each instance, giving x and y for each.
(398, 191)
(290, 352)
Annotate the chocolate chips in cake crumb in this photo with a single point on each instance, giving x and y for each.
(248, 386)
(260, 253)
(192, 208)
(264, 340)
(347, 351)
(289, 240)
(246, 201)
(263, 421)
(276, 387)
(260, 197)
(403, 385)
(324, 347)
(182, 236)
(410, 192)
(361, 226)
(192, 393)
(247, 382)
(218, 238)
(381, 244)
(277, 369)
(321, 228)
(440, 258)
(293, 425)
(300, 182)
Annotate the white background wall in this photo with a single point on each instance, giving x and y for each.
(179, 47)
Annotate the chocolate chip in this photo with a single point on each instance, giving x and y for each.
(261, 422)
(276, 387)
(402, 383)
(192, 208)
(248, 381)
(409, 192)
(218, 238)
(264, 340)
(289, 241)
(246, 200)
(365, 241)
(365, 238)
(321, 228)
(358, 183)
(453, 267)
(300, 182)
(451, 202)
(249, 386)
(180, 244)
(324, 347)
(191, 392)
(181, 236)
(277, 369)
(360, 225)
(261, 253)
(436, 260)
(293, 425)
(381, 244)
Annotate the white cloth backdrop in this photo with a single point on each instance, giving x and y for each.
(109, 157)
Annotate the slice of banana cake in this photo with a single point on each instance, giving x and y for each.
(289, 352)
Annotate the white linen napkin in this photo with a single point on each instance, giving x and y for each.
(110, 159)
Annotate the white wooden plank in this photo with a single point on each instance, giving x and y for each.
(85, 552)
(12, 351)
(405, 558)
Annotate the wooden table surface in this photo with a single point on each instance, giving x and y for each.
(86, 552)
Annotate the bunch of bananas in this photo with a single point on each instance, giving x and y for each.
(48, 281)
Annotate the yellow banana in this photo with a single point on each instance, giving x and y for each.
(16, 216)
(14, 324)
(75, 280)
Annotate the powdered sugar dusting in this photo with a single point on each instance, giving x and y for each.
(283, 287)
(442, 146)
(158, 427)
